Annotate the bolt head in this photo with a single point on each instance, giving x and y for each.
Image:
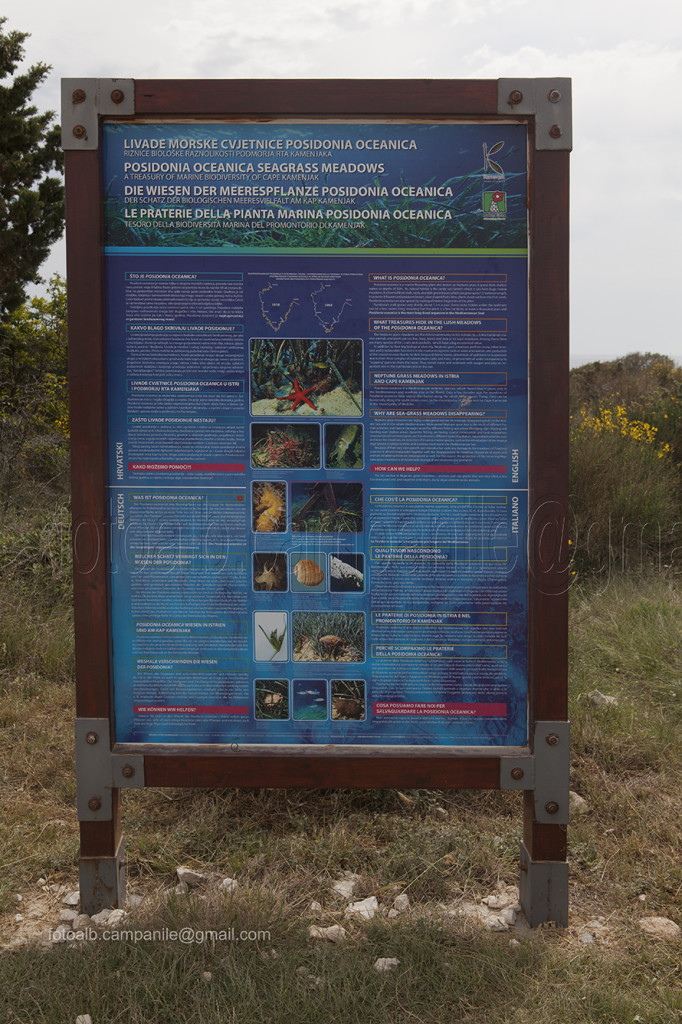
(552, 739)
(554, 96)
(517, 773)
(555, 131)
(551, 807)
(515, 96)
(78, 96)
(127, 771)
(95, 803)
(117, 96)
(79, 131)
(91, 738)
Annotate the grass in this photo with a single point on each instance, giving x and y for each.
(286, 848)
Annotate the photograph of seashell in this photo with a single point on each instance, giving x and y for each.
(308, 574)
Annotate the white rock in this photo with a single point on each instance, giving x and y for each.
(41, 882)
(314, 982)
(73, 899)
(514, 942)
(577, 804)
(507, 896)
(642, 897)
(335, 933)
(392, 914)
(135, 901)
(660, 928)
(315, 907)
(586, 937)
(54, 888)
(207, 976)
(81, 922)
(181, 889)
(115, 918)
(83, 1018)
(189, 876)
(508, 915)
(495, 923)
(18, 918)
(401, 903)
(440, 812)
(386, 963)
(102, 918)
(302, 971)
(229, 885)
(68, 915)
(346, 886)
(601, 700)
(363, 908)
(17, 897)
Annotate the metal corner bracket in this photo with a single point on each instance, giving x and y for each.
(84, 100)
(545, 772)
(98, 770)
(548, 99)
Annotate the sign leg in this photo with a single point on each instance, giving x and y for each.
(101, 867)
(543, 885)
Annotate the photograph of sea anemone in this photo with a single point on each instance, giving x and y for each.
(309, 698)
(348, 700)
(343, 446)
(269, 506)
(325, 507)
(272, 699)
(328, 636)
(306, 377)
(294, 446)
(270, 570)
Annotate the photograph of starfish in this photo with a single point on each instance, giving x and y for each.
(306, 377)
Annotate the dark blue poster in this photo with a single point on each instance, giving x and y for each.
(318, 432)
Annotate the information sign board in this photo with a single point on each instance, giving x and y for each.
(319, 474)
(317, 352)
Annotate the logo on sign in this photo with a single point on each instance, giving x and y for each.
(494, 196)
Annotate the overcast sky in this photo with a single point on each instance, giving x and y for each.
(625, 60)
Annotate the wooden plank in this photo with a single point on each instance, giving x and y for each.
(87, 382)
(315, 97)
(278, 771)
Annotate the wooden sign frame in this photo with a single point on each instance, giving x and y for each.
(540, 769)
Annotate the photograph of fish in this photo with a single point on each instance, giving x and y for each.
(348, 700)
(309, 700)
(346, 573)
(294, 446)
(324, 507)
(269, 570)
(269, 506)
(308, 574)
(272, 699)
(306, 377)
(270, 636)
(328, 636)
(343, 446)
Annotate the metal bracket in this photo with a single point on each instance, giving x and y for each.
(98, 770)
(551, 750)
(548, 99)
(517, 772)
(102, 881)
(543, 890)
(84, 100)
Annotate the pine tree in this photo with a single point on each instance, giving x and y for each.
(31, 201)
